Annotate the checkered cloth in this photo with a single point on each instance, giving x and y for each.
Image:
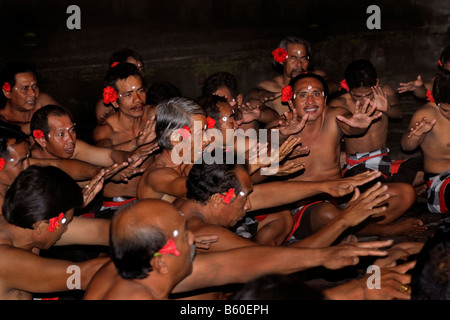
(435, 193)
(374, 160)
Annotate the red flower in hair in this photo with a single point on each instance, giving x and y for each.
(280, 55)
(54, 224)
(440, 63)
(114, 64)
(6, 87)
(2, 163)
(109, 95)
(169, 248)
(210, 122)
(286, 94)
(185, 132)
(430, 96)
(344, 85)
(38, 134)
(227, 196)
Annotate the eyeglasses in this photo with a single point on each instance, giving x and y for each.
(303, 95)
(362, 95)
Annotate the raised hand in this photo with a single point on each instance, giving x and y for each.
(291, 124)
(380, 99)
(347, 254)
(410, 86)
(249, 111)
(93, 187)
(204, 242)
(364, 205)
(363, 116)
(341, 187)
(147, 134)
(422, 127)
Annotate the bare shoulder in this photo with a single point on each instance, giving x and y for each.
(46, 99)
(340, 101)
(103, 130)
(270, 84)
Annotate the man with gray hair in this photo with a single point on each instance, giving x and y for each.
(292, 57)
(180, 130)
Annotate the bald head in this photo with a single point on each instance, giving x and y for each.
(138, 231)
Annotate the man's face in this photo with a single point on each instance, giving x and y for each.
(225, 92)
(132, 96)
(309, 98)
(199, 139)
(227, 123)
(61, 138)
(17, 161)
(233, 212)
(361, 94)
(25, 93)
(297, 61)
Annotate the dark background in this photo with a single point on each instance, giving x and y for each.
(185, 41)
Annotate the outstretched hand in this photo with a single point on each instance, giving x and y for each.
(422, 127)
(291, 124)
(363, 116)
(410, 86)
(341, 187)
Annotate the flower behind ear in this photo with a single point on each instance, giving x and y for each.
(109, 95)
(227, 196)
(38, 134)
(344, 85)
(6, 87)
(210, 122)
(286, 94)
(430, 96)
(280, 55)
(2, 163)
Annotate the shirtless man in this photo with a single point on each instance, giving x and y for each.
(37, 214)
(102, 110)
(250, 113)
(297, 60)
(324, 129)
(370, 151)
(169, 266)
(130, 127)
(430, 130)
(419, 87)
(23, 98)
(179, 122)
(220, 195)
(54, 132)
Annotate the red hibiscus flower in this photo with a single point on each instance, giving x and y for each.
(53, 223)
(440, 63)
(226, 198)
(6, 87)
(38, 134)
(169, 248)
(210, 122)
(185, 132)
(114, 64)
(280, 55)
(344, 85)
(286, 94)
(2, 163)
(109, 95)
(430, 96)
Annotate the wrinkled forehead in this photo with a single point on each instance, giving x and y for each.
(59, 121)
(306, 84)
(25, 77)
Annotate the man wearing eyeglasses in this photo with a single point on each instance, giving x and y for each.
(21, 89)
(370, 150)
